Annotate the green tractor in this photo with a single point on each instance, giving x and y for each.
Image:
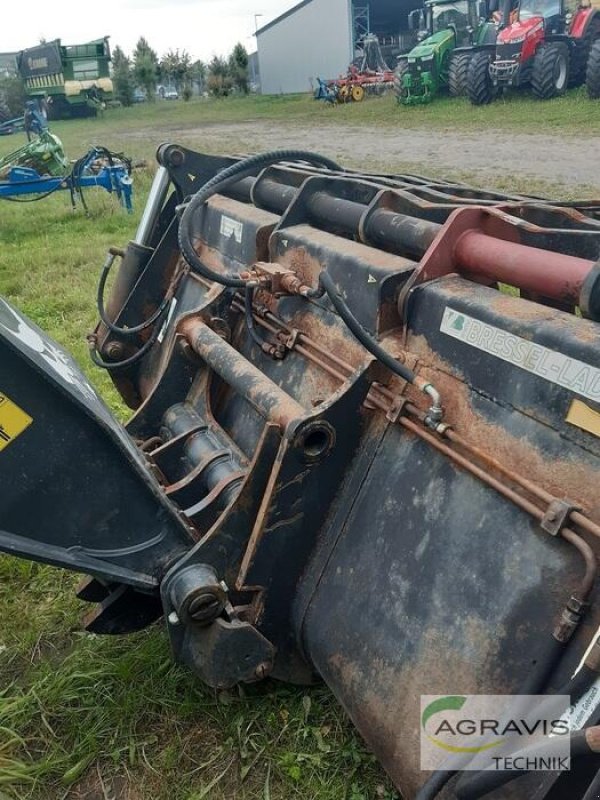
(447, 31)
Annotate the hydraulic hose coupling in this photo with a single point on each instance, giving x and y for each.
(435, 415)
(569, 621)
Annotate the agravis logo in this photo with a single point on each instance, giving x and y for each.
(474, 732)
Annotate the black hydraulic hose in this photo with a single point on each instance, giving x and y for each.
(102, 310)
(365, 338)
(534, 684)
(221, 181)
(575, 688)
(579, 683)
(581, 744)
(539, 676)
(593, 791)
(434, 784)
(111, 366)
(435, 414)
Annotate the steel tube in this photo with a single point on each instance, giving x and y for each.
(156, 199)
(265, 396)
(409, 236)
(543, 272)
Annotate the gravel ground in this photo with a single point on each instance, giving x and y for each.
(485, 157)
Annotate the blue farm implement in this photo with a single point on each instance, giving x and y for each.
(40, 168)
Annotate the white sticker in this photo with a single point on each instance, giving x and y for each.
(163, 330)
(552, 366)
(579, 714)
(231, 227)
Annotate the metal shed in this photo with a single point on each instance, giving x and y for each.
(319, 38)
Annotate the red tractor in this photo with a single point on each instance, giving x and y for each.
(545, 45)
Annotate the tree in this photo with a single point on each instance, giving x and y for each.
(176, 68)
(198, 74)
(219, 80)
(145, 67)
(123, 81)
(238, 67)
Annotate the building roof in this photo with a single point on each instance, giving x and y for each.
(283, 16)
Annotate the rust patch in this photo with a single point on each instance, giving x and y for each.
(559, 476)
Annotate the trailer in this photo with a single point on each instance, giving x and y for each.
(71, 80)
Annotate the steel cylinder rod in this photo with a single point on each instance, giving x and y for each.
(265, 396)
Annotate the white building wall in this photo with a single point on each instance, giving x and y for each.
(314, 41)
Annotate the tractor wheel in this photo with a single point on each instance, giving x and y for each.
(457, 73)
(399, 74)
(592, 74)
(358, 94)
(480, 89)
(581, 53)
(550, 74)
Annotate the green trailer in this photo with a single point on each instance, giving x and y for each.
(448, 30)
(69, 80)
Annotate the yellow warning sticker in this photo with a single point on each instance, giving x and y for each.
(13, 421)
(584, 417)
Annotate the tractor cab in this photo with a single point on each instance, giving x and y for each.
(545, 46)
(457, 16)
(549, 12)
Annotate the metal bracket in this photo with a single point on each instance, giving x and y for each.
(557, 516)
(397, 408)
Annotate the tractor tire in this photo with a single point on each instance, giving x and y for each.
(581, 54)
(592, 74)
(457, 74)
(550, 73)
(399, 90)
(480, 89)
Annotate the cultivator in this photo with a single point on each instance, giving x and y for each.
(356, 455)
(368, 75)
(40, 168)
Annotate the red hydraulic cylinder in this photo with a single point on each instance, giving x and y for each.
(544, 272)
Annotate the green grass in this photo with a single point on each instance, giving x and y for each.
(88, 717)
(569, 115)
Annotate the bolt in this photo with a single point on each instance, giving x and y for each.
(262, 670)
(173, 618)
(114, 350)
(205, 608)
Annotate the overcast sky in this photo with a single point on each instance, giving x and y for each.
(202, 27)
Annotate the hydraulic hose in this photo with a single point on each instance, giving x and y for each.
(434, 785)
(469, 787)
(223, 179)
(112, 366)
(369, 343)
(593, 791)
(585, 742)
(102, 310)
(534, 684)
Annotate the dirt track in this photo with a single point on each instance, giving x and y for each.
(486, 156)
